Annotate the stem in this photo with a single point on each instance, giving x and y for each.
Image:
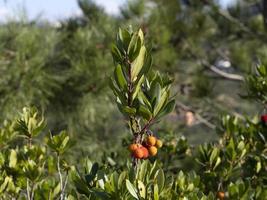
(32, 192)
(30, 142)
(28, 190)
(134, 123)
(60, 177)
(65, 184)
(146, 126)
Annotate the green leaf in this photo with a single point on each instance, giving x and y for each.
(143, 170)
(120, 78)
(79, 183)
(129, 110)
(132, 190)
(144, 100)
(214, 154)
(134, 47)
(141, 36)
(122, 178)
(148, 63)
(262, 70)
(124, 38)
(141, 189)
(157, 94)
(156, 192)
(218, 161)
(168, 108)
(144, 112)
(65, 142)
(138, 86)
(117, 92)
(161, 102)
(258, 166)
(117, 57)
(230, 149)
(12, 158)
(160, 179)
(138, 63)
(4, 185)
(56, 191)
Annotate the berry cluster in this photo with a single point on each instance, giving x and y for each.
(148, 148)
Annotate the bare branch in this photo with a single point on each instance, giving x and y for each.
(234, 77)
(197, 115)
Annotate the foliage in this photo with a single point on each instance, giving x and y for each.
(63, 70)
(27, 169)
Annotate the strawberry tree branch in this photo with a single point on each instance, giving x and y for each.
(141, 98)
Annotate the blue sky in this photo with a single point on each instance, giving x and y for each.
(56, 9)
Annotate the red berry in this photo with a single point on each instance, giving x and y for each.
(264, 118)
(138, 153)
(220, 195)
(132, 147)
(145, 152)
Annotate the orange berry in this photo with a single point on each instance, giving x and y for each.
(132, 147)
(159, 143)
(145, 152)
(152, 150)
(151, 140)
(220, 195)
(138, 153)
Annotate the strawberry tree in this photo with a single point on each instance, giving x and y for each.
(27, 169)
(234, 167)
(142, 95)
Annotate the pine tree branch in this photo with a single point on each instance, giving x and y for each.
(226, 15)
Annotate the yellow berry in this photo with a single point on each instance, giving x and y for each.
(152, 150)
(151, 140)
(159, 143)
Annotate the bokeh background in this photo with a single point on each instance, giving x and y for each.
(55, 55)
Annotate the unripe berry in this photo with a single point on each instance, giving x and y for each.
(132, 147)
(145, 152)
(152, 150)
(151, 140)
(138, 153)
(220, 195)
(159, 143)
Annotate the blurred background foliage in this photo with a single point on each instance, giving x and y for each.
(64, 69)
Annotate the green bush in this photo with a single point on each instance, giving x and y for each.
(36, 166)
